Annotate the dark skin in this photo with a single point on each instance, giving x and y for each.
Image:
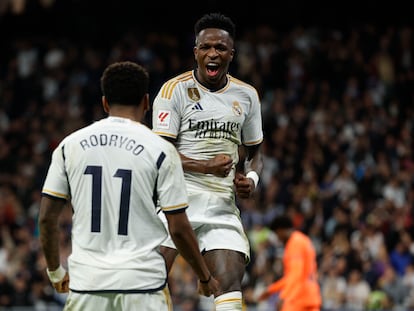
(49, 229)
(215, 46)
(178, 224)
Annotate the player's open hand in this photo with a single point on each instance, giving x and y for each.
(220, 165)
(244, 186)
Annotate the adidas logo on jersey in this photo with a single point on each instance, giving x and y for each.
(197, 106)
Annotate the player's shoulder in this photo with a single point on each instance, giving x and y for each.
(81, 132)
(242, 85)
(300, 237)
(168, 88)
(75, 134)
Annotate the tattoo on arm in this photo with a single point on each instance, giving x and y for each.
(50, 210)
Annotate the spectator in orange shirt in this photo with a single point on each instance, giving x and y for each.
(298, 288)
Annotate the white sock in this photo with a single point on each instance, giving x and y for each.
(229, 302)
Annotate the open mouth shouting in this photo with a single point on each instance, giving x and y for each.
(212, 69)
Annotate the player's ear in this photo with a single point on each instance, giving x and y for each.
(105, 104)
(195, 48)
(195, 52)
(145, 103)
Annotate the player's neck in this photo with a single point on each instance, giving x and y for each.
(212, 87)
(127, 112)
(288, 234)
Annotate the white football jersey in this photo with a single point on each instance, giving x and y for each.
(206, 123)
(114, 172)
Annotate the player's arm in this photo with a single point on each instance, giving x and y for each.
(184, 239)
(173, 201)
(253, 165)
(254, 160)
(272, 289)
(219, 166)
(294, 272)
(50, 209)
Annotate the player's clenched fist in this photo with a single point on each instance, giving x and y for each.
(59, 279)
(63, 285)
(244, 186)
(220, 165)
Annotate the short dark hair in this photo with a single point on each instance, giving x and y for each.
(215, 20)
(124, 83)
(281, 222)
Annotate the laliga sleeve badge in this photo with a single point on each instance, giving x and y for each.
(163, 119)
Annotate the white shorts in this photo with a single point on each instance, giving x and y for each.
(156, 301)
(216, 223)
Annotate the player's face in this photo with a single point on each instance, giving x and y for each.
(213, 53)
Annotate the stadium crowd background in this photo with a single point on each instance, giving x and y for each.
(337, 96)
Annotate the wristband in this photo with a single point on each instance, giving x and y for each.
(253, 175)
(57, 275)
(206, 281)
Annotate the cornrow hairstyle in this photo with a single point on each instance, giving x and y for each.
(215, 20)
(124, 83)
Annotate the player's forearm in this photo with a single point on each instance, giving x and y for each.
(186, 243)
(49, 232)
(192, 165)
(275, 287)
(254, 160)
(189, 164)
(49, 242)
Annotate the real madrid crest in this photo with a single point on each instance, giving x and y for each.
(237, 109)
(193, 93)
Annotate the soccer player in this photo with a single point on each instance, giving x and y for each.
(208, 114)
(298, 289)
(113, 172)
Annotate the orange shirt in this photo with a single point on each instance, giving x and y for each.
(298, 288)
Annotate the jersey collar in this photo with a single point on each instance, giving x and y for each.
(207, 89)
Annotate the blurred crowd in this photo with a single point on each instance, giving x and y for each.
(338, 117)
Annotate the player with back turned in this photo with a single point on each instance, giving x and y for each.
(209, 114)
(113, 172)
